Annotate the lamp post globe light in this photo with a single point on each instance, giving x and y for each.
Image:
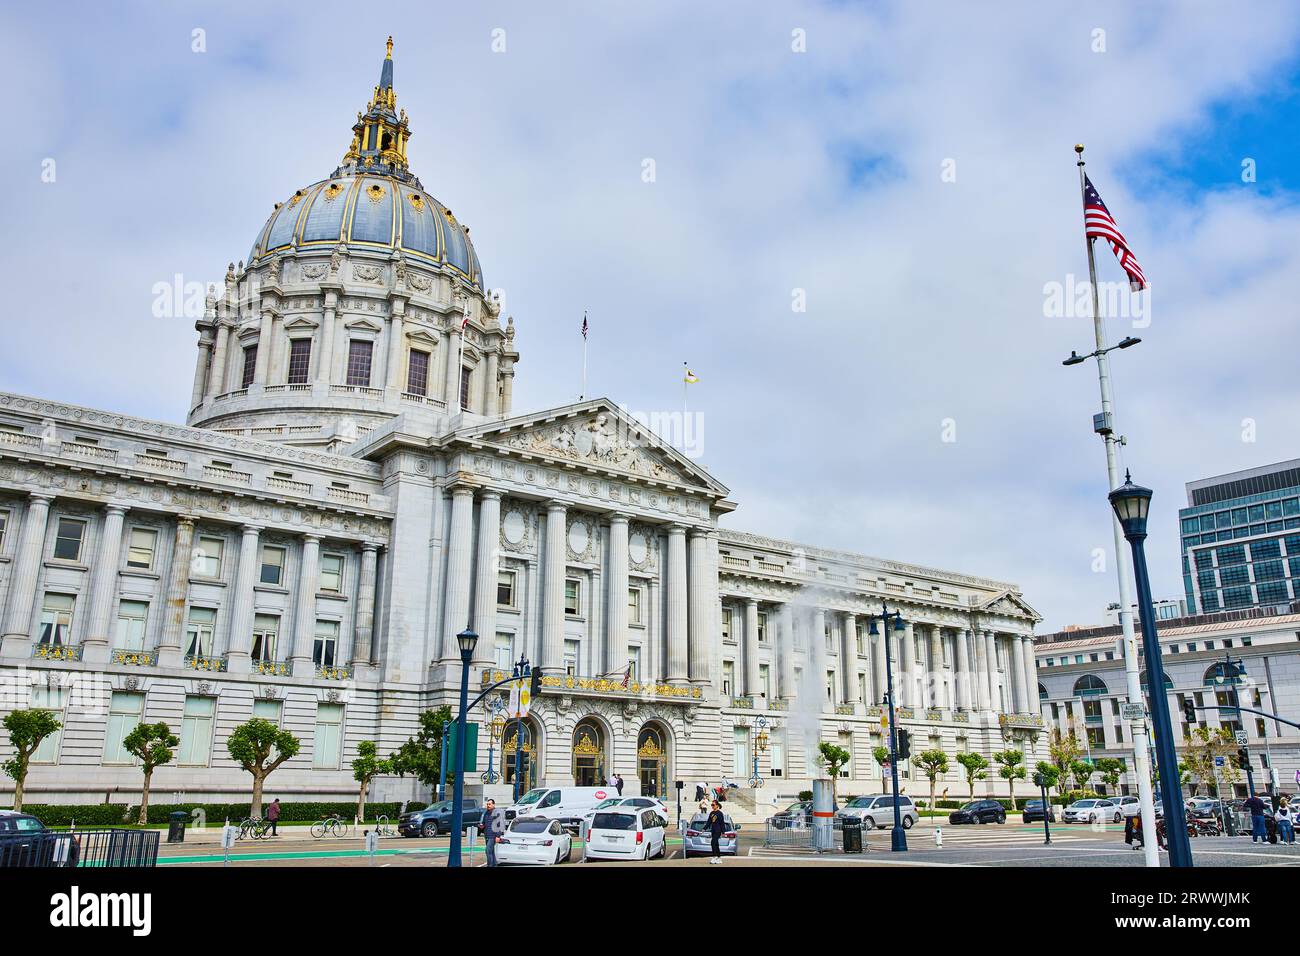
(467, 640)
(1131, 504)
(760, 746)
(897, 836)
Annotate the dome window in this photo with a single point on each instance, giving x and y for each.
(417, 201)
(332, 192)
(375, 192)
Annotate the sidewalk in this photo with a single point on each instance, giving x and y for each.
(211, 836)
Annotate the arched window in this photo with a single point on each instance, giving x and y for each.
(1042, 692)
(588, 754)
(1090, 685)
(1222, 674)
(652, 761)
(1142, 679)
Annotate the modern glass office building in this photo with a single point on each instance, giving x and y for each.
(1241, 539)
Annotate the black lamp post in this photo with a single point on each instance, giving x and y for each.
(467, 640)
(897, 836)
(1131, 503)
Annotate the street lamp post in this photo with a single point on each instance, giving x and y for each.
(467, 640)
(760, 746)
(897, 836)
(1131, 504)
(496, 732)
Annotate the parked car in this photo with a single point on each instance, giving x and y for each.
(627, 803)
(1204, 807)
(1128, 805)
(26, 841)
(566, 804)
(700, 840)
(436, 818)
(979, 811)
(620, 834)
(796, 815)
(536, 841)
(878, 811)
(1034, 812)
(1089, 811)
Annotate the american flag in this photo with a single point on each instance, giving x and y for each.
(1099, 224)
(627, 675)
(584, 325)
(464, 323)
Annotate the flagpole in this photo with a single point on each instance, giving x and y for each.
(460, 367)
(1137, 728)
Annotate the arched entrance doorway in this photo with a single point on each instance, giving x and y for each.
(652, 761)
(512, 761)
(588, 754)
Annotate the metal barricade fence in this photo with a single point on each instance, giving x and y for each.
(106, 848)
(798, 834)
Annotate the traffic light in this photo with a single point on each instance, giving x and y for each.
(904, 744)
(1189, 710)
(1243, 758)
(535, 683)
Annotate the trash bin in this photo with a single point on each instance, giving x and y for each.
(852, 830)
(176, 826)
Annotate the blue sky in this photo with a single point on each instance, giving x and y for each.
(777, 171)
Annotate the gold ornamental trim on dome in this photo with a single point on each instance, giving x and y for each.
(374, 192)
(332, 192)
(417, 201)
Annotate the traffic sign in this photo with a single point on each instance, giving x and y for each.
(1218, 761)
(1241, 738)
(1133, 712)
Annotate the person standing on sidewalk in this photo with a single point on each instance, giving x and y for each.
(1258, 824)
(273, 815)
(1285, 822)
(493, 826)
(717, 823)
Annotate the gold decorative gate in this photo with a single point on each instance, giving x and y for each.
(652, 763)
(588, 755)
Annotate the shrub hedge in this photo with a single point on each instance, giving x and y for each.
(117, 814)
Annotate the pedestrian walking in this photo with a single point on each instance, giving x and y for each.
(1258, 823)
(618, 783)
(493, 825)
(700, 790)
(1285, 822)
(273, 815)
(613, 781)
(717, 823)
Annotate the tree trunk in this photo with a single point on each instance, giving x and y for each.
(361, 803)
(934, 819)
(255, 811)
(144, 799)
(18, 790)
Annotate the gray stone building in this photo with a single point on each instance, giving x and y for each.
(1082, 685)
(354, 487)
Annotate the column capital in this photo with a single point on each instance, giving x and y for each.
(369, 547)
(751, 602)
(311, 538)
(115, 509)
(677, 529)
(460, 486)
(251, 530)
(490, 494)
(555, 504)
(41, 497)
(619, 517)
(185, 519)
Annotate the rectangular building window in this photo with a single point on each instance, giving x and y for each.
(299, 361)
(56, 619)
(572, 650)
(328, 745)
(728, 677)
(196, 731)
(124, 710)
(505, 588)
(200, 625)
(330, 579)
(272, 565)
(464, 387)
(359, 363)
(572, 596)
(417, 373)
(51, 699)
(765, 680)
(4, 526)
(131, 618)
(207, 562)
(68, 538)
(725, 619)
(504, 651)
(142, 547)
(266, 632)
(325, 646)
(634, 605)
(634, 663)
(271, 710)
(250, 367)
(762, 627)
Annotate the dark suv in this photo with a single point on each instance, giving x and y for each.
(979, 811)
(26, 841)
(436, 819)
(1034, 812)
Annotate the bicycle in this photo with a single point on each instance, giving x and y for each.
(382, 828)
(257, 829)
(331, 825)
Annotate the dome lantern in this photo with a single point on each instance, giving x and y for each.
(380, 134)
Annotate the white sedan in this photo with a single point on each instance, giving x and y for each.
(536, 841)
(1092, 811)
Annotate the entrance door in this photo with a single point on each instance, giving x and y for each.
(588, 756)
(652, 763)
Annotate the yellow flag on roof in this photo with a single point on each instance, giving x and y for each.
(690, 377)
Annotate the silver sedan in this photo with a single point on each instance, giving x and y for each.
(700, 840)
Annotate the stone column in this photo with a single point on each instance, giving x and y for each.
(906, 682)
(275, 374)
(879, 648)
(455, 603)
(676, 624)
(700, 612)
(991, 656)
(363, 647)
(981, 671)
(451, 383)
(936, 666)
(201, 369)
(553, 587)
(752, 688)
(240, 645)
(849, 657)
(177, 593)
(1017, 649)
(104, 587)
(507, 389)
(262, 367)
(485, 576)
(616, 656)
(22, 583)
(784, 645)
(1031, 674)
(396, 337)
(490, 386)
(325, 359)
(220, 353)
(963, 675)
(304, 609)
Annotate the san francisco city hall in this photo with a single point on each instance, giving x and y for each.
(353, 487)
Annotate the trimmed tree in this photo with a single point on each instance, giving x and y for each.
(365, 768)
(933, 764)
(259, 746)
(1011, 768)
(1082, 771)
(976, 767)
(27, 728)
(421, 755)
(834, 757)
(881, 756)
(153, 745)
(1064, 750)
(1110, 769)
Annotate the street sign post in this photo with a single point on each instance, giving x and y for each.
(1133, 712)
(1241, 738)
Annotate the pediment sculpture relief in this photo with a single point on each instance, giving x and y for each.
(596, 440)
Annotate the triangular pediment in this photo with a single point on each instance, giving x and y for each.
(595, 434)
(1011, 603)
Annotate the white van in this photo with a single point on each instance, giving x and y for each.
(566, 804)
